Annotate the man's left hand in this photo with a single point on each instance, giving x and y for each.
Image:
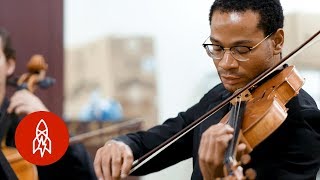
(23, 102)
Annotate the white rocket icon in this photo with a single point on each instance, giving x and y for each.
(42, 141)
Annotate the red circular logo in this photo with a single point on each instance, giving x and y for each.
(42, 138)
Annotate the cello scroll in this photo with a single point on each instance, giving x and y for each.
(35, 77)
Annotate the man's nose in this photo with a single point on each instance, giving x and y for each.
(228, 61)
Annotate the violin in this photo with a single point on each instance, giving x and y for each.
(265, 111)
(254, 116)
(33, 79)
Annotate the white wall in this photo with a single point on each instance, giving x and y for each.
(179, 28)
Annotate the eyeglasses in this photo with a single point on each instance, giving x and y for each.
(239, 53)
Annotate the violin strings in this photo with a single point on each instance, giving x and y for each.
(235, 112)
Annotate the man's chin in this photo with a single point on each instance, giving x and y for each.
(232, 87)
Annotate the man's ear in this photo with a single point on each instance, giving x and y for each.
(11, 66)
(278, 40)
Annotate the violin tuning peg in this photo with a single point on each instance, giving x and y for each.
(245, 159)
(250, 174)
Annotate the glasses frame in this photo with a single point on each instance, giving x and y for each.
(205, 45)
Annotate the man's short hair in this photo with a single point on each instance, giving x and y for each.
(6, 43)
(270, 11)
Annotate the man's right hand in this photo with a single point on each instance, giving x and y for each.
(113, 160)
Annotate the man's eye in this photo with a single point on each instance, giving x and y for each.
(241, 49)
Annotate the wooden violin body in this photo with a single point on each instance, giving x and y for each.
(265, 111)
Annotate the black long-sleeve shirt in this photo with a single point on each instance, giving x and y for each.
(291, 152)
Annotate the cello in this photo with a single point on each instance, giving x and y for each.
(34, 78)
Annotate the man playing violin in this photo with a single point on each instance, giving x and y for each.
(246, 39)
